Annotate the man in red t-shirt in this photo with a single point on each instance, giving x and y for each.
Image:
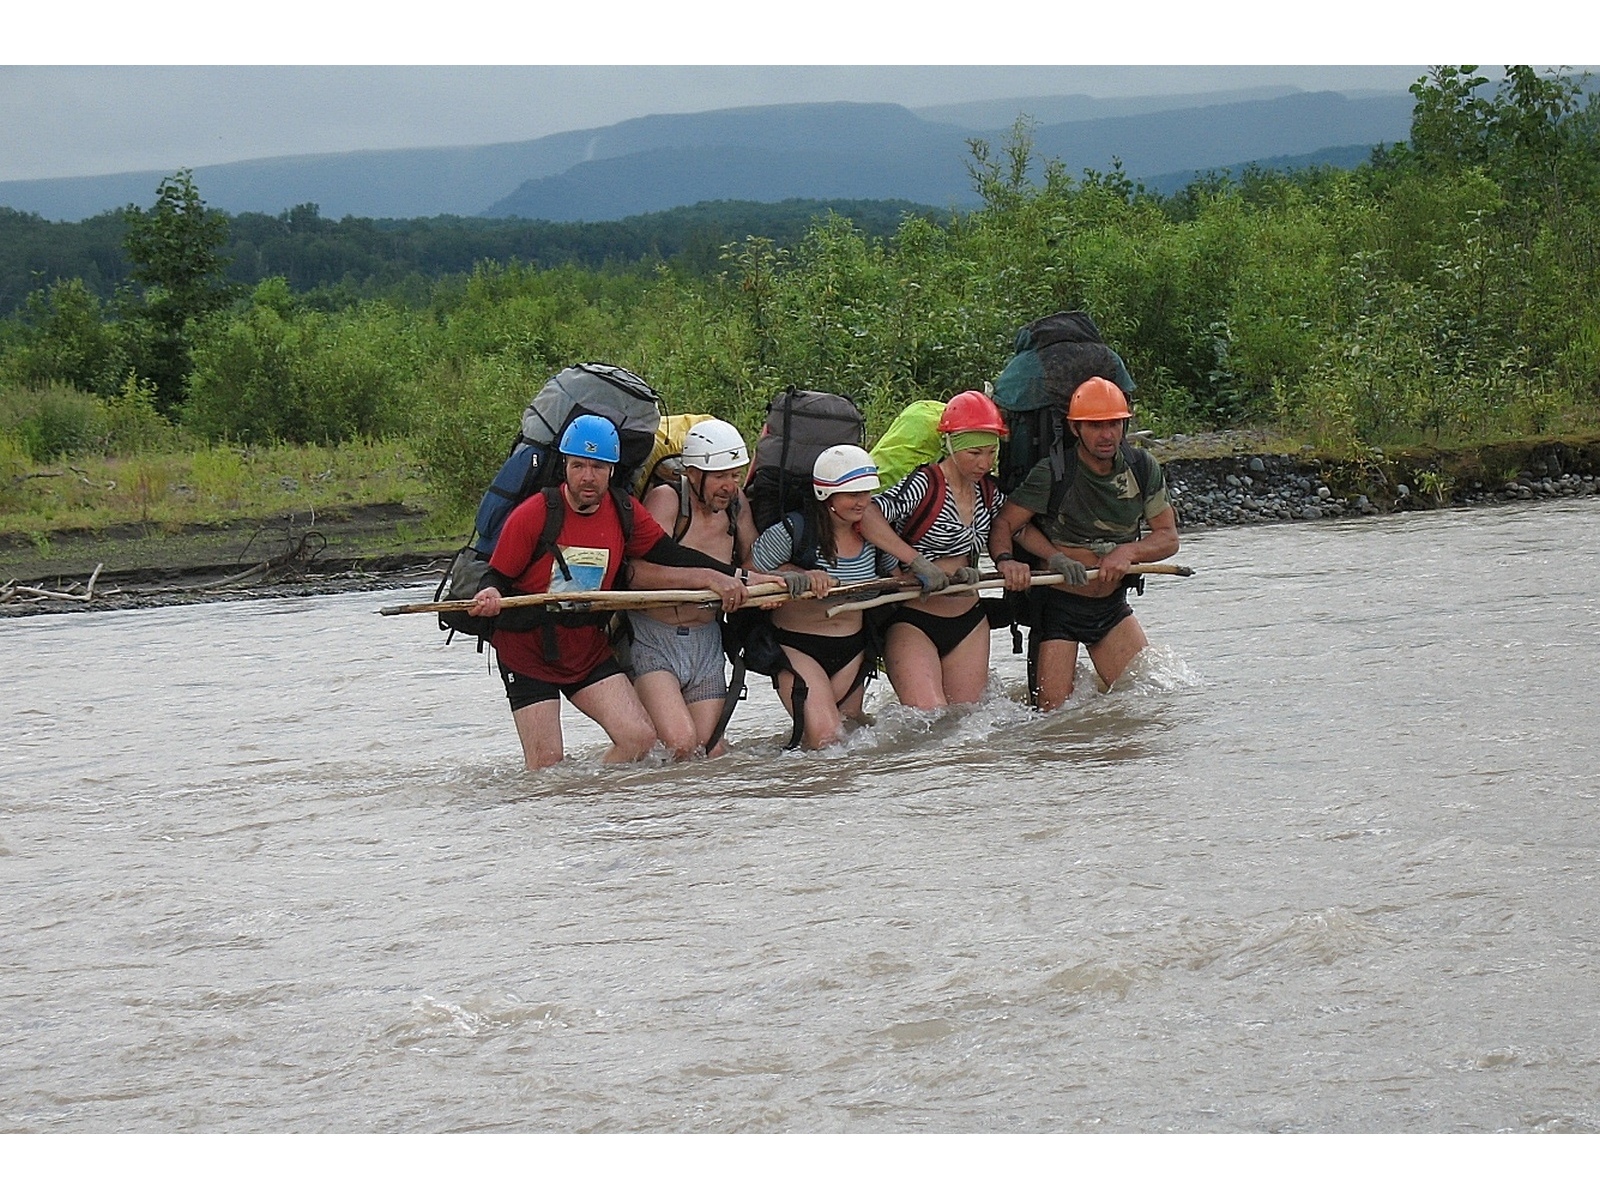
(571, 654)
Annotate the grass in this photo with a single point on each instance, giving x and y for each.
(174, 490)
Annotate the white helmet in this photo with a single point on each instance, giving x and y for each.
(844, 469)
(713, 445)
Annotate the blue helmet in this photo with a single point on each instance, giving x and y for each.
(593, 437)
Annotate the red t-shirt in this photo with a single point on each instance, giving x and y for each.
(593, 548)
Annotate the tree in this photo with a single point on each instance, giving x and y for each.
(174, 247)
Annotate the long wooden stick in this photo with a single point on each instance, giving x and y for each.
(991, 582)
(596, 599)
(616, 600)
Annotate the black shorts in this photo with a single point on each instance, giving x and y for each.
(523, 690)
(833, 654)
(1064, 617)
(946, 633)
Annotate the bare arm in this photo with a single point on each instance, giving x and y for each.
(876, 529)
(1010, 529)
(1161, 542)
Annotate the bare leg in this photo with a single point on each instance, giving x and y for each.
(1058, 664)
(822, 720)
(612, 704)
(662, 697)
(850, 699)
(539, 727)
(966, 668)
(1112, 653)
(706, 714)
(914, 667)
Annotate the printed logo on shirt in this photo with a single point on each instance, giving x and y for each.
(588, 566)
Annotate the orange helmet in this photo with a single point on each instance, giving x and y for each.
(1098, 399)
(971, 412)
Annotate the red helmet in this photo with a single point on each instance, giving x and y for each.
(1098, 399)
(971, 412)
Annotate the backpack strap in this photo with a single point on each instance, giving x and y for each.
(555, 515)
(1142, 463)
(680, 525)
(803, 542)
(926, 511)
(623, 499)
(734, 506)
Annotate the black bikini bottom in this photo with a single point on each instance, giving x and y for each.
(833, 654)
(946, 633)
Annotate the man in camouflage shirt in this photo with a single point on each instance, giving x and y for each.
(1097, 524)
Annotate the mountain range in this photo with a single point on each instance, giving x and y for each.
(775, 152)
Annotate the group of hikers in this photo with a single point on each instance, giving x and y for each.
(1088, 526)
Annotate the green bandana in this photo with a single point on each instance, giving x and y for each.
(971, 439)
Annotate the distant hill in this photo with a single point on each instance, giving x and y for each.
(1054, 110)
(884, 150)
(1192, 139)
(1346, 157)
(776, 152)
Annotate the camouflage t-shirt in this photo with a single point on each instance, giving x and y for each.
(1097, 507)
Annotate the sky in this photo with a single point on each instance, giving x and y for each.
(100, 89)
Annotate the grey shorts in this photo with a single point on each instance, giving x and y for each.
(693, 653)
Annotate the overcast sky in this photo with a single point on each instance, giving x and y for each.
(122, 115)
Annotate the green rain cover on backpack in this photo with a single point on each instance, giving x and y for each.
(911, 440)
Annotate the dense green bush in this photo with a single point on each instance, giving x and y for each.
(51, 422)
(274, 373)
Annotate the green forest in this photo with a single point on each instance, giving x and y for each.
(1445, 292)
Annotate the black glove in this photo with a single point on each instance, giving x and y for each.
(1070, 569)
(929, 576)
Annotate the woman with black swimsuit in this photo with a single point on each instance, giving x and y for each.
(936, 649)
(826, 655)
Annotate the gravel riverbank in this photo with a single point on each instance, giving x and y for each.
(1211, 484)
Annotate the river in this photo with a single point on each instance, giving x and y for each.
(1326, 862)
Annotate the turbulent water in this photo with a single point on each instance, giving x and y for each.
(1326, 862)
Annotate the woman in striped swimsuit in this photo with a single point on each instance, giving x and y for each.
(936, 649)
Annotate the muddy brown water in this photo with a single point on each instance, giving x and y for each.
(1327, 862)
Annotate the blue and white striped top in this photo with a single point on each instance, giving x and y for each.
(775, 547)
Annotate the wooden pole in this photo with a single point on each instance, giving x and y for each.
(992, 582)
(617, 599)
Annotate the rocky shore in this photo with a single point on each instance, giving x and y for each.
(1212, 482)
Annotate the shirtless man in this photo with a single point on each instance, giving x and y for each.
(677, 649)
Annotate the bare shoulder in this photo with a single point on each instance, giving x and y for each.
(662, 503)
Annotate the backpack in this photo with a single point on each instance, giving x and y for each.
(663, 464)
(911, 440)
(620, 396)
(1054, 355)
(799, 426)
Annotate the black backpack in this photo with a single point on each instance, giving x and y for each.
(800, 425)
(1053, 356)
